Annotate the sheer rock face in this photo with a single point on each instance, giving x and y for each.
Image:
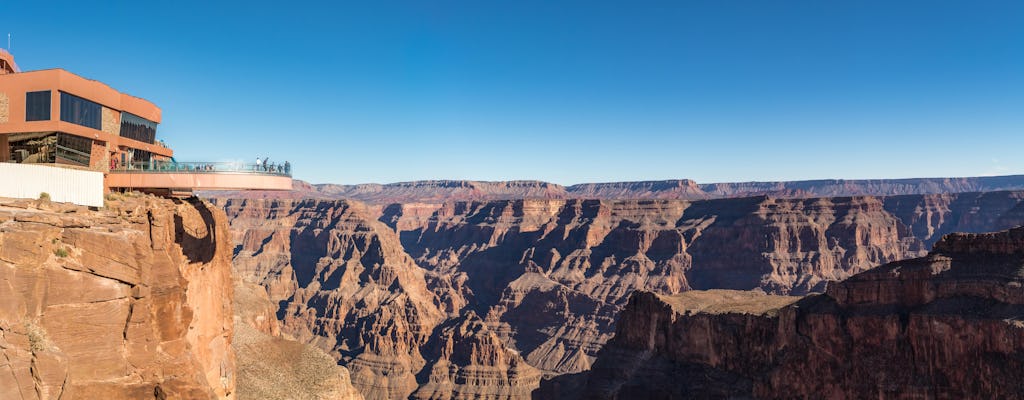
(471, 362)
(550, 277)
(346, 285)
(126, 302)
(948, 325)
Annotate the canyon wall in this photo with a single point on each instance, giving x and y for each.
(122, 302)
(392, 292)
(440, 191)
(948, 325)
(346, 286)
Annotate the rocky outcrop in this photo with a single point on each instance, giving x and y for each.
(124, 302)
(272, 368)
(471, 362)
(948, 325)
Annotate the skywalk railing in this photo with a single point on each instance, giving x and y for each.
(203, 167)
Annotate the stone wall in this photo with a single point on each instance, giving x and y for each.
(5, 108)
(99, 158)
(111, 122)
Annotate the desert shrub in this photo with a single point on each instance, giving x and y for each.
(44, 196)
(36, 337)
(61, 252)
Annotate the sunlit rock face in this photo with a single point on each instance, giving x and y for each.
(947, 325)
(344, 284)
(375, 286)
(124, 302)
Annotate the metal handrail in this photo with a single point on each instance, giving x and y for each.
(203, 168)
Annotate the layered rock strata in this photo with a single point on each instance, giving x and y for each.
(549, 277)
(346, 285)
(948, 325)
(471, 362)
(124, 302)
(440, 191)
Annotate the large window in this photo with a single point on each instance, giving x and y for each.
(49, 147)
(73, 149)
(37, 106)
(134, 127)
(141, 156)
(77, 110)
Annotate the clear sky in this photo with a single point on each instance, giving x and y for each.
(566, 92)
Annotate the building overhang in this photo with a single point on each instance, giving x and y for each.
(197, 181)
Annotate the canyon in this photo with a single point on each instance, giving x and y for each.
(483, 299)
(505, 299)
(947, 325)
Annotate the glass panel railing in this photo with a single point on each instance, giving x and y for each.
(203, 167)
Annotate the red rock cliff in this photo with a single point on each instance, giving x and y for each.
(125, 302)
(550, 277)
(347, 286)
(948, 325)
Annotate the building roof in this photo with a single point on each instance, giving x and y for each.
(7, 64)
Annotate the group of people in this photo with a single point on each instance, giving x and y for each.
(264, 165)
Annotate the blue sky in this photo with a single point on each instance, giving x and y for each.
(566, 92)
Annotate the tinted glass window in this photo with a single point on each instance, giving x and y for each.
(77, 110)
(141, 156)
(37, 106)
(73, 149)
(134, 127)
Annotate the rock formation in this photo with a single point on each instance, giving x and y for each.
(550, 276)
(377, 287)
(347, 286)
(124, 302)
(443, 190)
(948, 325)
(272, 368)
(471, 362)
(440, 191)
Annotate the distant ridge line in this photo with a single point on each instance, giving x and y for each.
(442, 190)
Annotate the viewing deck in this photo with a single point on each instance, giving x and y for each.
(199, 176)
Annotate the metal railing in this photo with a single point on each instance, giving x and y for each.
(203, 167)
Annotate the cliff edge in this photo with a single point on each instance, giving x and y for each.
(122, 302)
